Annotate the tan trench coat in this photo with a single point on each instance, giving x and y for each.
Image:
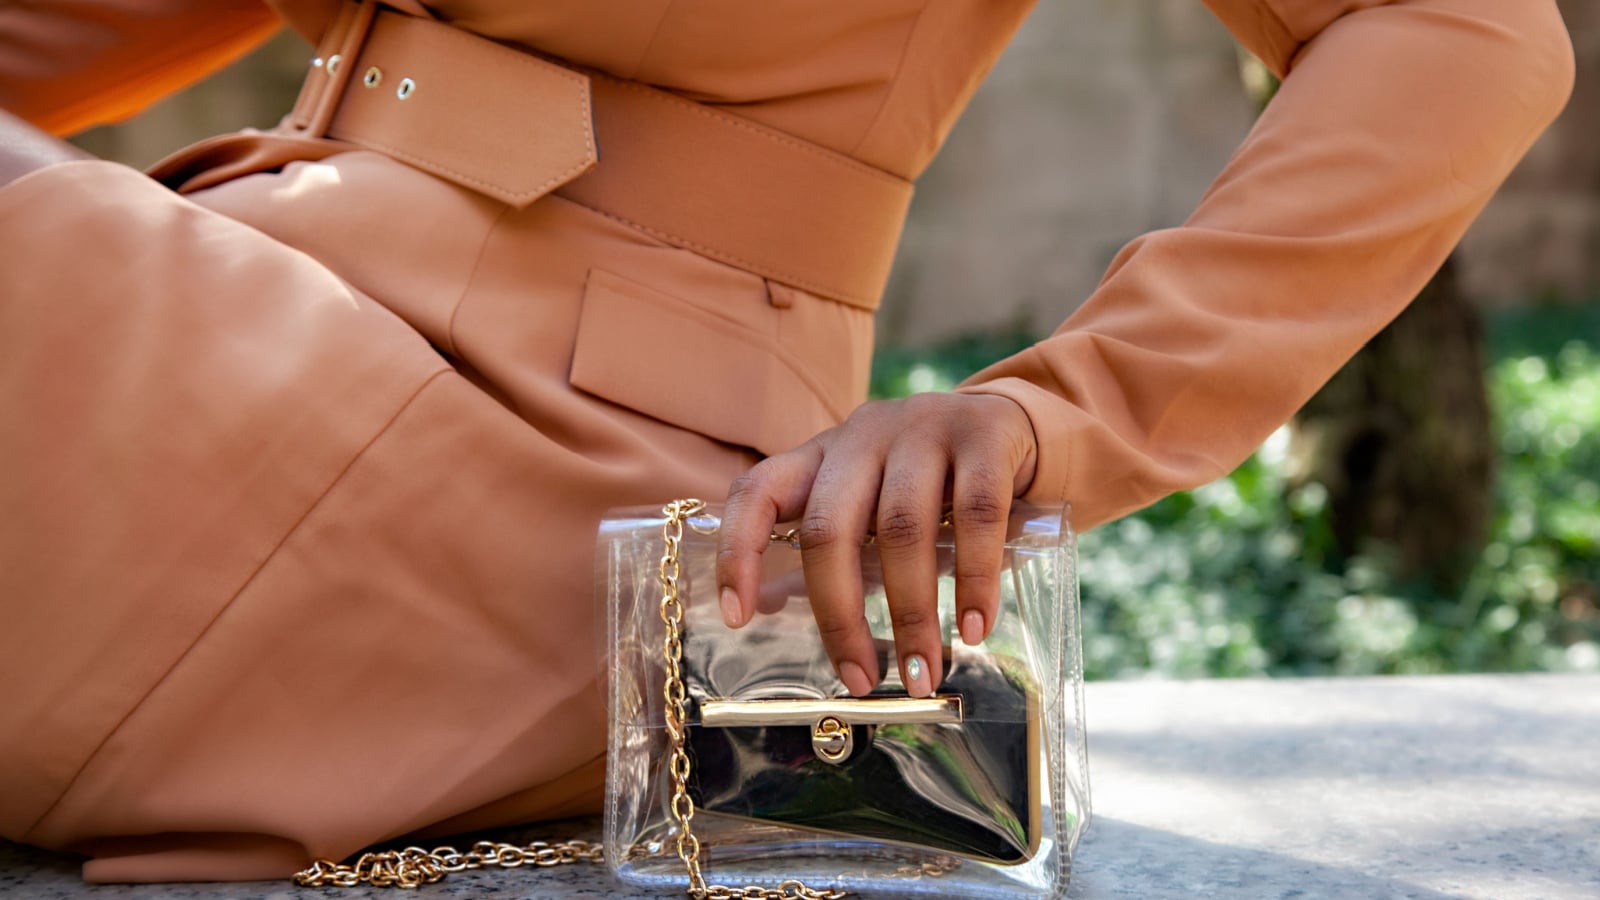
(300, 470)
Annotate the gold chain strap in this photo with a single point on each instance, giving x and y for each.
(677, 697)
(414, 866)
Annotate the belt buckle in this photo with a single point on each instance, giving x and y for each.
(331, 67)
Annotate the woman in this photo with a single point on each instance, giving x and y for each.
(304, 449)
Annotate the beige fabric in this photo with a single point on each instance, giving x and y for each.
(301, 470)
(291, 574)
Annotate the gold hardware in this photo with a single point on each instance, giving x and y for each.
(832, 740)
(938, 867)
(850, 710)
(333, 63)
(831, 721)
(373, 77)
(406, 88)
(675, 713)
(414, 866)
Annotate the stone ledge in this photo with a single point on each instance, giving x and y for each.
(1429, 788)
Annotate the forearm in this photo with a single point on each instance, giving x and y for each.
(1393, 128)
(24, 148)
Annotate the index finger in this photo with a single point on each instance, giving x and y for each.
(774, 491)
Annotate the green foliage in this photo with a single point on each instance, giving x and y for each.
(898, 371)
(1237, 578)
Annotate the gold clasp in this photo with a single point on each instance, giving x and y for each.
(832, 722)
(832, 740)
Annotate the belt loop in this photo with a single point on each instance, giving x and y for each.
(330, 70)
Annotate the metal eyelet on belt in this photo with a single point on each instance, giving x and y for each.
(333, 63)
(373, 77)
(407, 86)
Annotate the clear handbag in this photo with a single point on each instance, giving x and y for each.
(740, 766)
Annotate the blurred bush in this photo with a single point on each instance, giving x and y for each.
(1239, 577)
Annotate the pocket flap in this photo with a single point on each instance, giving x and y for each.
(669, 359)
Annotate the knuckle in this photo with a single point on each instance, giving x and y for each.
(977, 578)
(981, 447)
(931, 435)
(870, 412)
(818, 530)
(910, 618)
(835, 630)
(747, 486)
(977, 567)
(900, 528)
(981, 506)
(925, 405)
(728, 558)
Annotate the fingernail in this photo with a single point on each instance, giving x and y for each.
(972, 627)
(917, 677)
(731, 613)
(854, 679)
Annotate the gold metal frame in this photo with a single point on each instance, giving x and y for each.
(850, 710)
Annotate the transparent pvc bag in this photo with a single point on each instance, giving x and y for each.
(981, 792)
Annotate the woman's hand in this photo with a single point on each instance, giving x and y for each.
(892, 466)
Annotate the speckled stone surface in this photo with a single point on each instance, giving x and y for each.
(1479, 787)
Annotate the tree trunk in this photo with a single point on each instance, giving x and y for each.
(1401, 439)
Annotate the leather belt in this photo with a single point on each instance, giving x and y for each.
(515, 126)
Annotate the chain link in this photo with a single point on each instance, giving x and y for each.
(676, 696)
(415, 866)
(938, 867)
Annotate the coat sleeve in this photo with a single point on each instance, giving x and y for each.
(1395, 123)
(72, 64)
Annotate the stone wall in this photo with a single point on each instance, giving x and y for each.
(1108, 118)
(1105, 119)
(1540, 237)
